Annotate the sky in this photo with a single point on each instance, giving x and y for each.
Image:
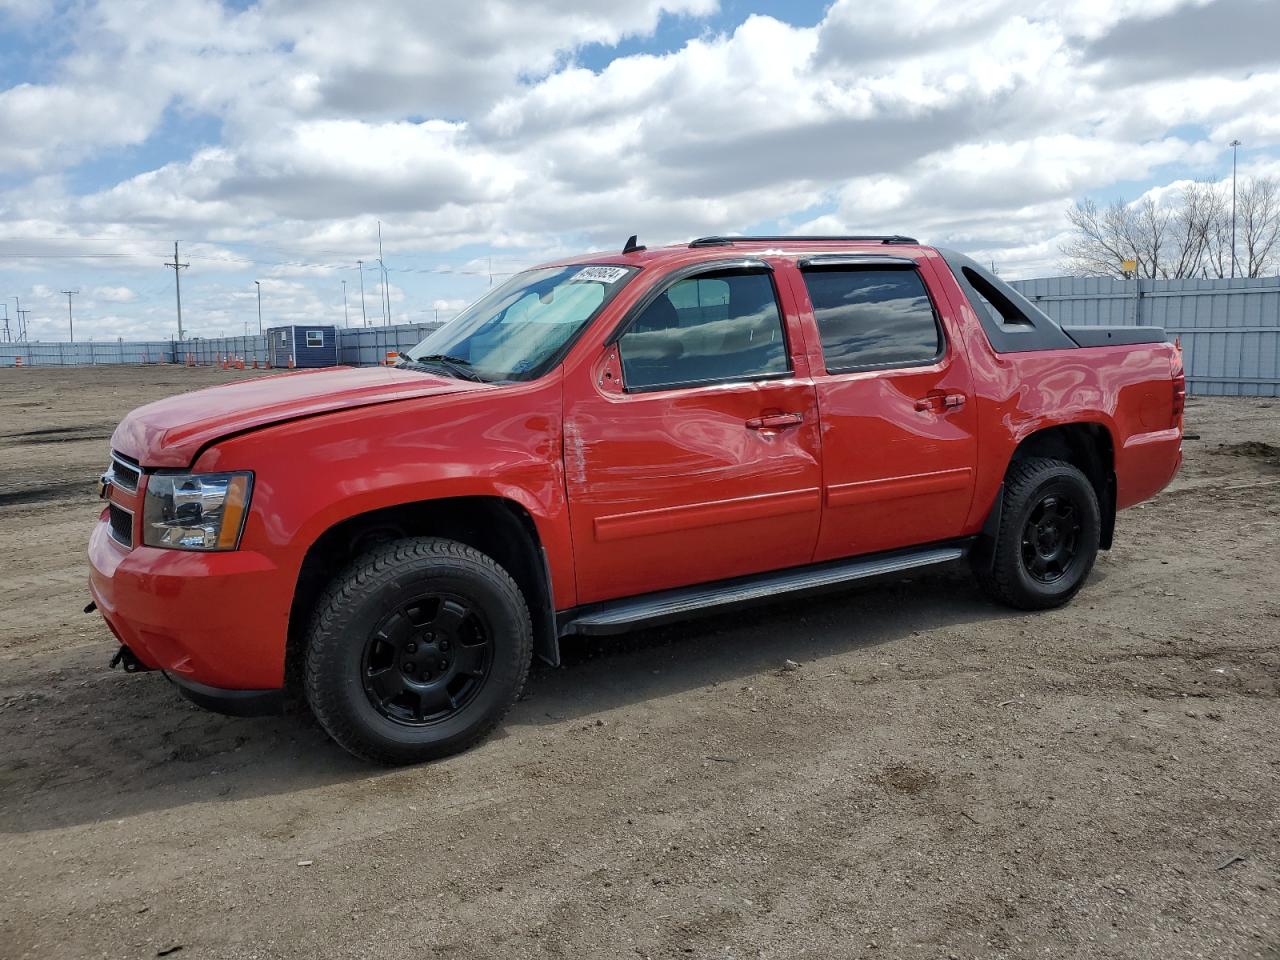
(270, 139)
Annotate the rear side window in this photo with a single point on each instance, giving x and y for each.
(706, 329)
(873, 318)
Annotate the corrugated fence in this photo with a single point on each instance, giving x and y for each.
(361, 347)
(1230, 329)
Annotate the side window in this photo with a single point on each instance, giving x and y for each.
(706, 329)
(873, 317)
(315, 338)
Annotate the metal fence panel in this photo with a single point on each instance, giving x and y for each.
(1230, 329)
(367, 346)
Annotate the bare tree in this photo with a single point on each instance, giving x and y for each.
(1101, 241)
(1259, 219)
(1106, 237)
(1192, 220)
(1217, 230)
(1189, 237)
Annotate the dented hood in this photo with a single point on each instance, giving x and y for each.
(171, 432)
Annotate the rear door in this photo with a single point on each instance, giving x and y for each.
(691, 449)
(896, 398)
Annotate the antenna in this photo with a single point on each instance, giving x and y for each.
(631, 246)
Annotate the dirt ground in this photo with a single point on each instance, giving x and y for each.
(940, 777)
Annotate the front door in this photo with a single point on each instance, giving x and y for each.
(899, 419)
(691, 454)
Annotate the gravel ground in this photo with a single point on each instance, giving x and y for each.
(939, 778)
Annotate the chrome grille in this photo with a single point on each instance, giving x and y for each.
(120, 521)
(124, 473)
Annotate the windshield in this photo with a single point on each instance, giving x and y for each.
(519, 330)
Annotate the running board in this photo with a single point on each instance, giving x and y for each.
(618, 616)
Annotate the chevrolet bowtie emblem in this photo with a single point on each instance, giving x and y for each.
(104, 487)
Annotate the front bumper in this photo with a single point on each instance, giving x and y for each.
(209, 620)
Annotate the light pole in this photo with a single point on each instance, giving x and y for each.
(363, 315)
(346, 317)
(1235, 144)
(258, 284)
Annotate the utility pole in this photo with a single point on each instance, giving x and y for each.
(177, 284)
(346, 317)
(386, 293)
(6, 321)
(258, 284)
(71, 328)
(20, 333)
(363, 314)
(1235, 144)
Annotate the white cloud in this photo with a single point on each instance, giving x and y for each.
(115, 294)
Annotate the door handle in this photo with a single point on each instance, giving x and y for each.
(941, 401)
(775, 421)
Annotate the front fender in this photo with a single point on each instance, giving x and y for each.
(312, 474)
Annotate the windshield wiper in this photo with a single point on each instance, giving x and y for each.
(455, 365)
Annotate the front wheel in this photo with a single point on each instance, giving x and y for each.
(417, 651)
(1050, 526)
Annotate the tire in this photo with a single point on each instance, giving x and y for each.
(1047, 542)
(417, 651)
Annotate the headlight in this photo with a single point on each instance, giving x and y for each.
(195, 511)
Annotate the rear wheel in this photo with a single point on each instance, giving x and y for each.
(417, 651)
(1048, 538)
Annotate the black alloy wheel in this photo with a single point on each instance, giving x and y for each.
(417, 650)
(1051, 538)
(427, 660)
(1050, 528)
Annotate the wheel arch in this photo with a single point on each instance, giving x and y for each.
(1090, 448)
(498, 526)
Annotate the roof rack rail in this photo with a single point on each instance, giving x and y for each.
(726, 241)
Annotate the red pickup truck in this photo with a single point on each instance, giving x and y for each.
(613, 441)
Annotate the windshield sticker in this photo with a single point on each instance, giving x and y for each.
(599, 274)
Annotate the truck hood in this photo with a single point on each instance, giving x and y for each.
(171, 432)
